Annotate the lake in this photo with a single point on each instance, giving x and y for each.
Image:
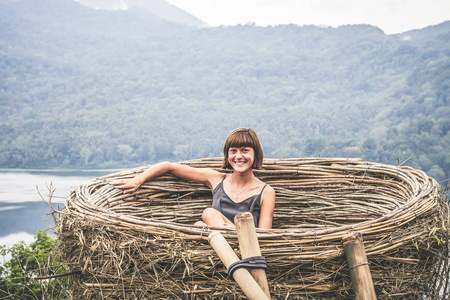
(23, 212)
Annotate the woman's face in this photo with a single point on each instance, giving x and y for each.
(241, 159)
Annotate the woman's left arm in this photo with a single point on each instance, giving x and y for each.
(267, 208)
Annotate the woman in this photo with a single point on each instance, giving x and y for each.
(233, 193)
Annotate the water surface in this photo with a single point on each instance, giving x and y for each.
(23, 212)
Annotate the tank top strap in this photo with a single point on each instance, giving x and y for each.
(263, 189)
(219, 186)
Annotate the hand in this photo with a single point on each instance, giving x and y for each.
(126, 185)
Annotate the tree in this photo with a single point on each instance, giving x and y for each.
(20, 276)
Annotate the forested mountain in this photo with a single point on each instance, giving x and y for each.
(85, 88)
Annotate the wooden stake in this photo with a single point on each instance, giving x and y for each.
(358, 267)
(249, 246)
(242, 276)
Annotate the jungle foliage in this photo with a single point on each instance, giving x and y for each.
(84, 88)
(32, 271)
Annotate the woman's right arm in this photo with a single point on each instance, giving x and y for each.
(201, 175)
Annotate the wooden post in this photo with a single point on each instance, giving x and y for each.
(242, 276)
(249, 246)
(358, 267)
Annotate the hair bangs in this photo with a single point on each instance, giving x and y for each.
(241, 139)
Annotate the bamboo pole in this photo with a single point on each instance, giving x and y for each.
(242, 276)
(249, 246)
(358, 267)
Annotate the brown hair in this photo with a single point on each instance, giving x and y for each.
(243, 137)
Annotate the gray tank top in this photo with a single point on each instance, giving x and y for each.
(230, 209)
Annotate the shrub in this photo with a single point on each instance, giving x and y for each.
(33, 270)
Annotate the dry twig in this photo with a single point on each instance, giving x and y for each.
(143, 245)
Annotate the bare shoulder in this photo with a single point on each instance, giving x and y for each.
(262, 185)
(211, 177)
(268, 194)
(268, 190)
(215, 177)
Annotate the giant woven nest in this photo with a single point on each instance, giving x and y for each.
(144, 245)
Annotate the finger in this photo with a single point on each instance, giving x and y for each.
(128, 190)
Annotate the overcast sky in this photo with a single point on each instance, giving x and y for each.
(392, 16)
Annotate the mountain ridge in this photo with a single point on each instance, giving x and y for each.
(160, 8)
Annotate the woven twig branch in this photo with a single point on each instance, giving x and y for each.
(144, 244)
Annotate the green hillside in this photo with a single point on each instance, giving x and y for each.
(84, 88)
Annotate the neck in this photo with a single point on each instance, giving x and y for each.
(242, 178)
(244, 183)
